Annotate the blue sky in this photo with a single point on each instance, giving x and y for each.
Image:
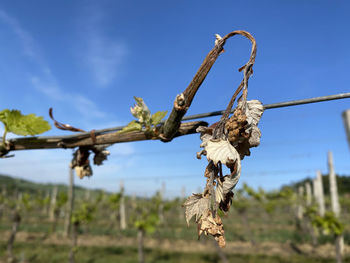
(87, 59)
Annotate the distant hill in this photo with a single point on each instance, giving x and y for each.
(13, 185)
(343, 183)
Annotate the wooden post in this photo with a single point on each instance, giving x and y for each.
(161, 205)
(333, 189)
(182, 199)
(309, 202)
(15, 225)
(308, 194)
(122, 207)
(87, 195)
(346, 119)
(53, 203)
(74, 243)
(319, 195)
(70, 204)
(140, 248)
(300, 209)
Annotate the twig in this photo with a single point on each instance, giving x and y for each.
(84, 138)
(184, 100)
(54, 142)
(248, 71)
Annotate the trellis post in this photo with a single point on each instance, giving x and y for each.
(122, 207)
(333, 189)
(318, 193)
(68, 219)
(53, 203)
(346, 120)
(308, 194)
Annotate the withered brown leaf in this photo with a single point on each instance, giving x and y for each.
(221, 151)
(212, 226)
(196, 205)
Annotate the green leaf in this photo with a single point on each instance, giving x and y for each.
(24, 125)
(132, 126)
(158, 116)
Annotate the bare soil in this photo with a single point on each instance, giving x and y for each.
(205, 245)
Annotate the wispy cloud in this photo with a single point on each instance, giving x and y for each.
(52, 166)
(25, 38)
(45, 82)
(104, 56)
(82, 104)
(105, 59)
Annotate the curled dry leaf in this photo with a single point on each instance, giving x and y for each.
(254, 111)
(221, 151)
(254, 139)
(100, 156)
(226, 184)
(196, 205)
(225, 204)
(83, 171)
(225, 143)
(212, 226)
(242, 129)
(236, 127)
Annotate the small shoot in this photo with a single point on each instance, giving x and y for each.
(146, 121)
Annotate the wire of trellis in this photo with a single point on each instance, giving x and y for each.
(266, 107)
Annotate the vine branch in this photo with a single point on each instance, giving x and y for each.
(54, 142)
(184, 100)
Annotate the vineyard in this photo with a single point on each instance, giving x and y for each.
(262, 227)
(253, 165)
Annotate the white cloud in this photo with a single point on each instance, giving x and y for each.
(82, 104)
(52, 165)
(46, 83)
(103, 56)
(25, 38)
(48, 88)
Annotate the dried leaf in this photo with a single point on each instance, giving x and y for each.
(100, 156)
(219, 192)
(243, 148)
(236, 127)
(225, 204)
(254, 139)
(201, 129)
(227, 183)
(205, 139)
(254, 111)
(244, 135)
(230, 183)
(83, 171)
(221, 151)
(196, 205)
(199, 154)
(212, 226)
